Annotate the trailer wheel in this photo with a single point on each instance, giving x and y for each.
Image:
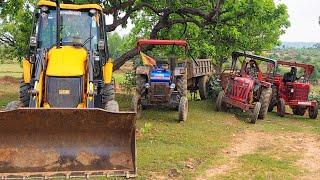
(108, 93)
(203, 87)
(219, 103)
(183, 109)
(299, 111)
(24, 93)
(313, 111)
(281, 107)
(112, 106)
(265, 101)
(255, 113)
(136, 104)
(14, 105)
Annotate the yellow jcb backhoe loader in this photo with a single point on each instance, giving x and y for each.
(67, 122)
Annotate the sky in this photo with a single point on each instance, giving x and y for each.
(304, 19)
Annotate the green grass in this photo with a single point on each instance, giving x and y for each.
(164, 144)
(13, 70)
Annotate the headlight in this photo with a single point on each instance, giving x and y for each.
(172, 86)
(44, 8)
(292, 90)
(147, 85)
(93, 12)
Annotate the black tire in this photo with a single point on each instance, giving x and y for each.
(182, 86)
(313, 112)
(273, 99)
(281, 107)
(141, 82)
(219, 102)
(112, 106)
(136, 104)
(14, 105)
(183, 109)
(265, 98)
(299, 111)
(108, 93)
(203, 87)
(255, 113)
(24, 93)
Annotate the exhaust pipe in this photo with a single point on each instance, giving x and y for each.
(58, 23)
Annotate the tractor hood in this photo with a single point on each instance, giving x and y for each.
(66, 61)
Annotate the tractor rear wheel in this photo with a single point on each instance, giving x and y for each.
(108, 93)
(313, 111)
(255, 113)
(299, 111)
(183, 109)
(281, 107)
(24, 93)
(265, 101)
(14, 105)
(203, 87)
(219, 103)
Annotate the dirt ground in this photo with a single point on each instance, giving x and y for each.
(308, 146)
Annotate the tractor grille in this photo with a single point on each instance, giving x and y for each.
(160, 89)
(64, 92)
(239, 89)
(301, 93)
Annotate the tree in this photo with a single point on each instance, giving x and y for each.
(214, 28)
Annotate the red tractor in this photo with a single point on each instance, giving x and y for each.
(245, 87)
(293, 91)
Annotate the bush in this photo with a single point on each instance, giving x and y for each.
(214, 86)
(129, 82)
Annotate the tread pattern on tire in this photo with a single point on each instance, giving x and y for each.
(141, 81)
(265, 101)
(182, 85)
(183, 109)
(203, 87)
(273, 99)
(108, 93)
(24, 93)
(313, 112)
(281, 107)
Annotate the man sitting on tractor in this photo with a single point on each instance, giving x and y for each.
(253, 72)
(290, 76)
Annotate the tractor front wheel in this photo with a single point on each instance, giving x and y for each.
(24, 93)
(219, 102)
(313, 111)
(281, 107)
(265, 101)
(183, 109)
(299, 111)
(108, 93)
(255, 113)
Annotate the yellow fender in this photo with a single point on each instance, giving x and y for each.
(26, 71)
(107, 71)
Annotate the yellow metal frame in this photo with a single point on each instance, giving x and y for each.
(107, 71)
(70, 6)
(26, 71)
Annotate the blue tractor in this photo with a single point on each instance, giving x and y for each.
(162, 83)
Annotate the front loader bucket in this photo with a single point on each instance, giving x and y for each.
(66, 143)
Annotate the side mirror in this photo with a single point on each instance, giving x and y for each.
(101, 45)
(33, 41)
